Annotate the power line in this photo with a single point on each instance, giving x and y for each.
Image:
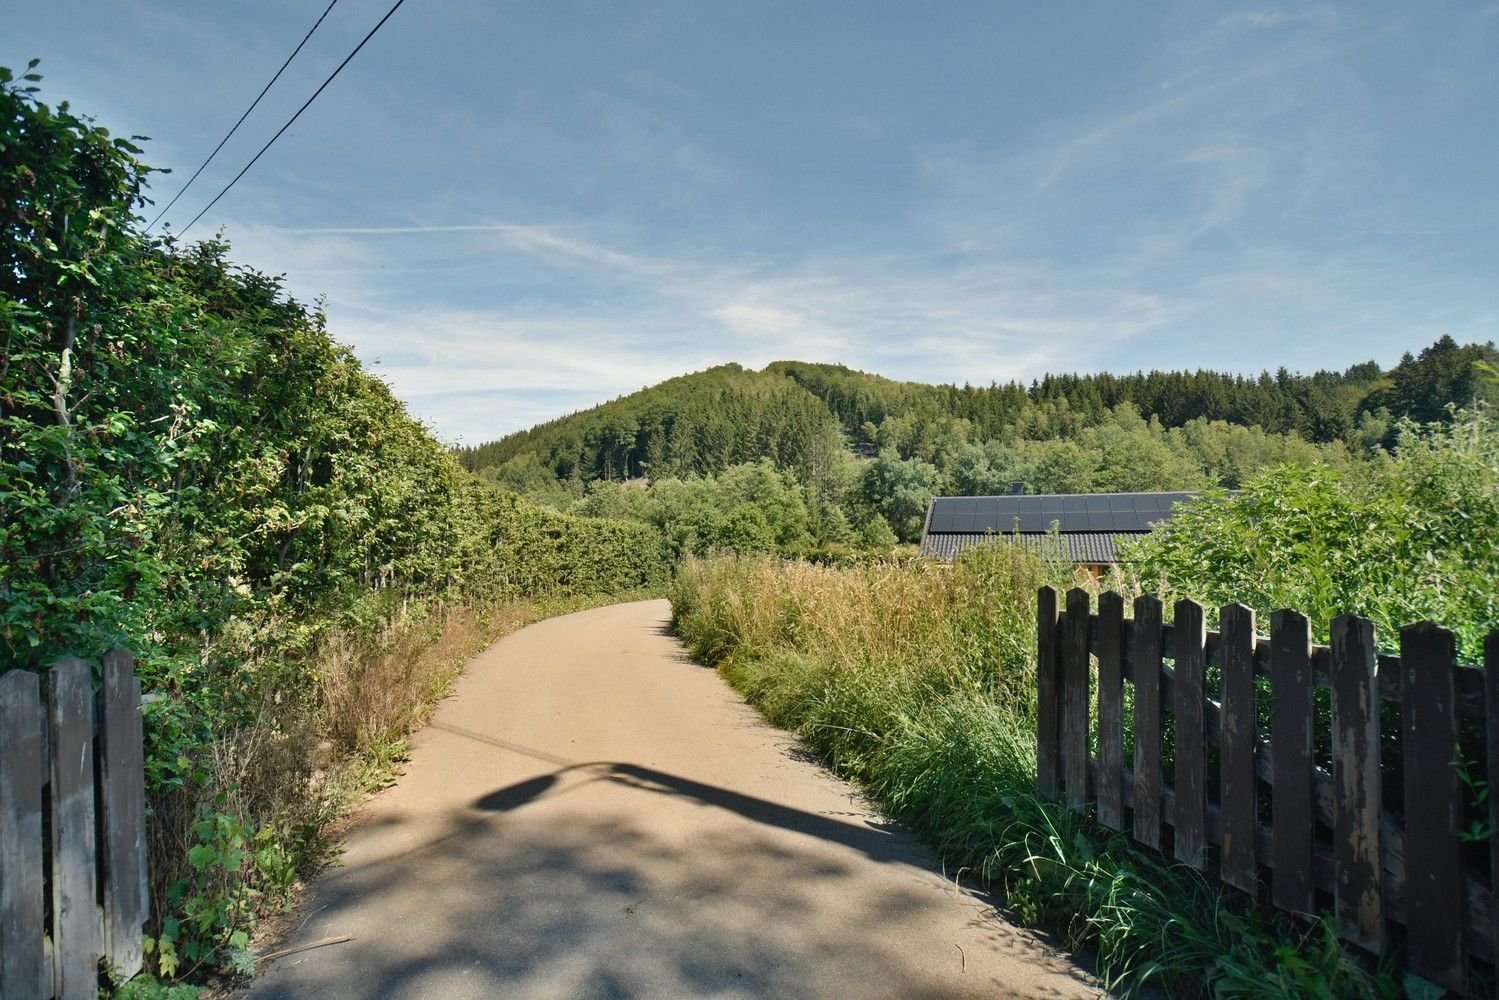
(242, 118)
(290, 121)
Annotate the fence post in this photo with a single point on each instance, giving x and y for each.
(1433, 852)
(23, 971)
(1291, 757)
(1237, 739)
(1146, 669)
(1075, 697)
(1191, 759)
(1356, 781)
(1111, 710)
(123, 800)
(1048, 760)
(75, 909)
(1491, 724)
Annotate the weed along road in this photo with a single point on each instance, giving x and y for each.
(594, 815)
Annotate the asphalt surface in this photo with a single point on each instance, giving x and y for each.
(594, 815)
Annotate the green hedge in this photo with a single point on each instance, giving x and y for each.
(190, 466)
(542, 551)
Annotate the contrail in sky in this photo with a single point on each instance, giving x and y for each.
(497, 227)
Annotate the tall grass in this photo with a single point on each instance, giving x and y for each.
(917, 681)
(282, 785)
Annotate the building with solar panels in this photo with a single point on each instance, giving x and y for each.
(1088, 525)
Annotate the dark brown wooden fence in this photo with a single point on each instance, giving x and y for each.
(72, 828)
(1206, 783)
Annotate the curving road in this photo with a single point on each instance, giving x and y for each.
(594, 815)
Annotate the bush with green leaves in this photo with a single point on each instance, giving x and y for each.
(191, 467)
(899, 490)
(1412, 537)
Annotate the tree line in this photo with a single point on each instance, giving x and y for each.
(1360, 404)
(814, 458)
(697, 424)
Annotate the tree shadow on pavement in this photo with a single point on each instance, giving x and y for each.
(534, 892)
(875, 842)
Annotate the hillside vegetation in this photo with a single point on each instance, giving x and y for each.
(192, 468)
(1411, 537)
(693, 425)
(918, 681)
(918, 684)
(817, 460)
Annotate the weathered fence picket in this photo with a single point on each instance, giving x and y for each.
(1190, 658)
(1291, 733)
(121, 782)
(1237, 741)
(1147, 680)
(72, 828)
(1491, 709)
(1075, 699)
(25, 968)
(1385, 875)
(1357, 801)
(76, 929)
(1048, 739)
(1111, 711)
(1432, 802)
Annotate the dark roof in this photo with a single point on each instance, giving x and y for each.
(1089, 523)
(1092, 547)
(1034, 513)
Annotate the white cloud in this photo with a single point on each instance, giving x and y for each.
(916, 316)
(1163, 222)
(496, 227)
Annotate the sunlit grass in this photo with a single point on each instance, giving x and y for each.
(917, 681)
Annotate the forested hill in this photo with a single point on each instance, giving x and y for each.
(706, 422)
(697, 424)
(1325, 406)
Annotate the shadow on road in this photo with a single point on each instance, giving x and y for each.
(607, 878)
(531, 892)
(875, 842)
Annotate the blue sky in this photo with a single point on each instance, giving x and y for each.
(521, 209)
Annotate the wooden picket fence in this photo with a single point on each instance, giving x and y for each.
(1266, 816)
(72, 828)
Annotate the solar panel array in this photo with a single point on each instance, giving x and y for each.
(1096, 548)
(1031, 514)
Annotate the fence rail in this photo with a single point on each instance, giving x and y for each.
(1207, 783)
(72, 828)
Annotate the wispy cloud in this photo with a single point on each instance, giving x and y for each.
(476, 369)
(492, 227)
(565, 208)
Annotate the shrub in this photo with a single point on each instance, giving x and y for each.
(1414, 537)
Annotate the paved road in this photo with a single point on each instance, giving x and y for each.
(594, 815)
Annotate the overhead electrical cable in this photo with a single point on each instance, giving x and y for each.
(292, 120)
(230, 134)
